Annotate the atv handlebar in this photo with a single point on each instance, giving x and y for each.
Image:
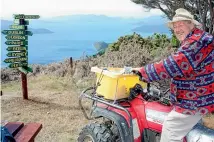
(82, 95)
(153, 92)
(141, 78)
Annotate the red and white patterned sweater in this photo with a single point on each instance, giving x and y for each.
(192, 71)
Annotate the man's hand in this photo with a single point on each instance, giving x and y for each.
(137, 72)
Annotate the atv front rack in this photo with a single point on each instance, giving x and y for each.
(95, 98)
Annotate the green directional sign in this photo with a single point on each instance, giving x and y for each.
(16, 48)
(11, 42)
(26, 22)
(17, 54)
(16, 37)
(16, 21)
(25, 69)
(32, 16)
(28, 33)
(16, 65)
(12, 60)
(17, 32)
(14, 32)
(21, 16)
(21, 27)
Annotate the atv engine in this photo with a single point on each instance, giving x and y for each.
(151, 93)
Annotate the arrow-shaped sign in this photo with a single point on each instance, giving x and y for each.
(13, 32)
(11, 42)
(17, 32)
(21, 16)
(12, 60)
(16, 37)
(17, 48)
(29, 33)
(18, 16)
(17, 54)
(17, 22)
(20, 27)
(15, 65)
(25, 69)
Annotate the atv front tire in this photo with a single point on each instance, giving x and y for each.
(95, 132)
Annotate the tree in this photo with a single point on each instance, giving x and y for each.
(203, 10)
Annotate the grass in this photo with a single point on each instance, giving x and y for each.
(53, 101)
(11, 86)
(42, 82)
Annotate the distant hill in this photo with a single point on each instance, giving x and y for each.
(152, 20)
(106, 27)
(100, 45)
(6, 23)
(154, 24)
(149, 24)
(90, 18)
(40, 31)
(152, 28)
(95, 24)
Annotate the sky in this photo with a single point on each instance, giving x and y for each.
(52, 8)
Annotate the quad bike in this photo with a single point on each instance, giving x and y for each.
(137, 118)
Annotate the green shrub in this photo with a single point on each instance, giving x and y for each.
(154, 43)
(174, 41)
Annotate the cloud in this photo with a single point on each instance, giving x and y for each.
(51, 8)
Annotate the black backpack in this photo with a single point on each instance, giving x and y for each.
(6, 136)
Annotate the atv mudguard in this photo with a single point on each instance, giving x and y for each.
(119, 120)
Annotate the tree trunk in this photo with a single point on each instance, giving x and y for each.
(211, 29)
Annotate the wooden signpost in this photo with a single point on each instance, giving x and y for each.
(17, 41)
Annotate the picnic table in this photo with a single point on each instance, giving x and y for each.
(23, 132)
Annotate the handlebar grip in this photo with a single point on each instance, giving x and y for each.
(137, 73)
(141, 78)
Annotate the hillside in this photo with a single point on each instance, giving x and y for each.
(100, 45)
(130, 50)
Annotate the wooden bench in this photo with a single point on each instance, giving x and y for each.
(24, 132)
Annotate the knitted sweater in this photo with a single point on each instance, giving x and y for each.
(191, 70)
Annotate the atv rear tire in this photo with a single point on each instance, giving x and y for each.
(95, 132)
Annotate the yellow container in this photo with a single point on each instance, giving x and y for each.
(114, 84)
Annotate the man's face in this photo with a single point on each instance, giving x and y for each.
(182, 29)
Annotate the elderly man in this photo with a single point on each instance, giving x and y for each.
(192, 71)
